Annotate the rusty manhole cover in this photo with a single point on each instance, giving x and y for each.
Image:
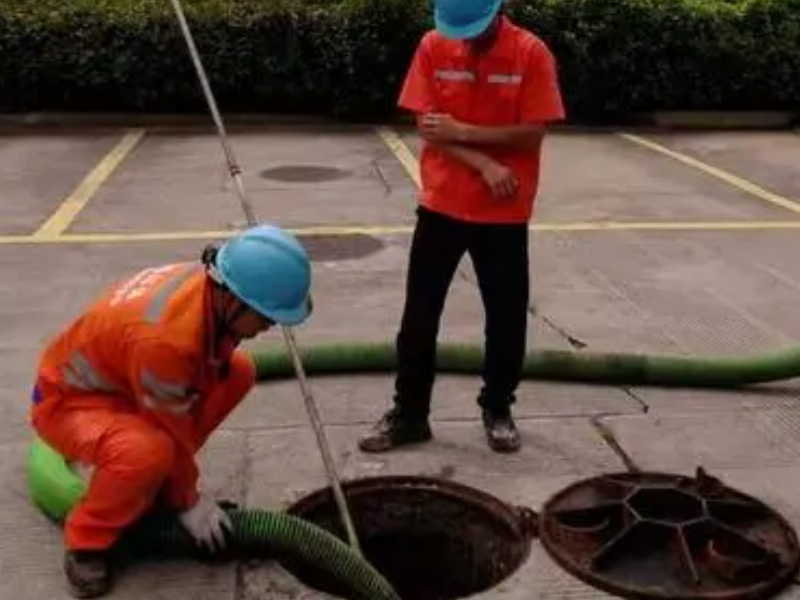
(304, 173)
(432, 539)
(655, 535)
(340, 247)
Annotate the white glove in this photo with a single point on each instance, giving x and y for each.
(207, 523)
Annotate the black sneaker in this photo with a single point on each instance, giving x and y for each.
(501, 431)
(395, 430)
(88, 572)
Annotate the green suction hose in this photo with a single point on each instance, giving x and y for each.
(559, 365)
(55, 489)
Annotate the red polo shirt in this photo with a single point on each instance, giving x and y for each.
(514, 82)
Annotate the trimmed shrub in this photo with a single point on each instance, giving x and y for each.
(347, 58)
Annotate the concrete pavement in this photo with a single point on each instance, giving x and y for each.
(633, 249)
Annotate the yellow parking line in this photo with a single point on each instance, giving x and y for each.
(377, 230)
(398, 147)
(411, 165)
(666, 226)
(729, 178)
(74, 203)
(167, 236)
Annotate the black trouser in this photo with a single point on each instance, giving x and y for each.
(500, 256)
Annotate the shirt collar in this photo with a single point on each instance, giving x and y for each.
(504, 44)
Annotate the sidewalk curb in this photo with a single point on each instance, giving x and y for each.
(726, 119)
(658, 120)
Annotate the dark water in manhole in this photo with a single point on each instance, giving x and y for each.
(433, 540)
(304, 173)
(340, 247)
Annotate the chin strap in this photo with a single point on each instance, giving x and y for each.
(221, 317)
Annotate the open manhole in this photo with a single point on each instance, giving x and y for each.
(340, 247)
(432, 539)
(304, 173)
(656, 535)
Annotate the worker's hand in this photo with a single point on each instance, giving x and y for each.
(500, 179)
(207, 523)
(440, 127)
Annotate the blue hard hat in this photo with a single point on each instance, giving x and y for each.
(464, 19)
(267, 269)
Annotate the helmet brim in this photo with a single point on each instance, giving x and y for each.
(290, 317)
(465, 31)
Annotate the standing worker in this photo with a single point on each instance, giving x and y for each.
(483, 90)
(135, 386)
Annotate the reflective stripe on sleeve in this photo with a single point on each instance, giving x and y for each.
(81, 374)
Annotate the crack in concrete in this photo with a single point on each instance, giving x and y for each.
(573, 341)
(239, 591)
(247, 469)
(239, 587)
(609, 438)
(633, 395)
(367, 422)
(466, 276)
(386, 186)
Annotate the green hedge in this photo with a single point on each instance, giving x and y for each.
(347, 58)
(618, 56)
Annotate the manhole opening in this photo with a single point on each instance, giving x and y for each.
(431, 539)
(588, 519)
(304, 173)
(664, 504)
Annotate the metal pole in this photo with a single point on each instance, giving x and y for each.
(288, 336)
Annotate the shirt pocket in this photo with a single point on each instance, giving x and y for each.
(503, 96)
(454, 87)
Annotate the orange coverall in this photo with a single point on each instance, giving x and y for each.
(134, 387)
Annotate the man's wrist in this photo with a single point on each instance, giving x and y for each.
(466, 133)
(485, 163)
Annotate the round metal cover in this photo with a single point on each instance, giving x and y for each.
(341, 247)
(657, 535)
(304, 173)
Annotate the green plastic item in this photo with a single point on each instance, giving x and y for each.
(558, 365)
(55, 488)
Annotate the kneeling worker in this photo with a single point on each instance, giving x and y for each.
(134, 387)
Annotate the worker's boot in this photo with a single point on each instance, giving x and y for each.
(501, 431)
(395, 429)
(88, 572)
